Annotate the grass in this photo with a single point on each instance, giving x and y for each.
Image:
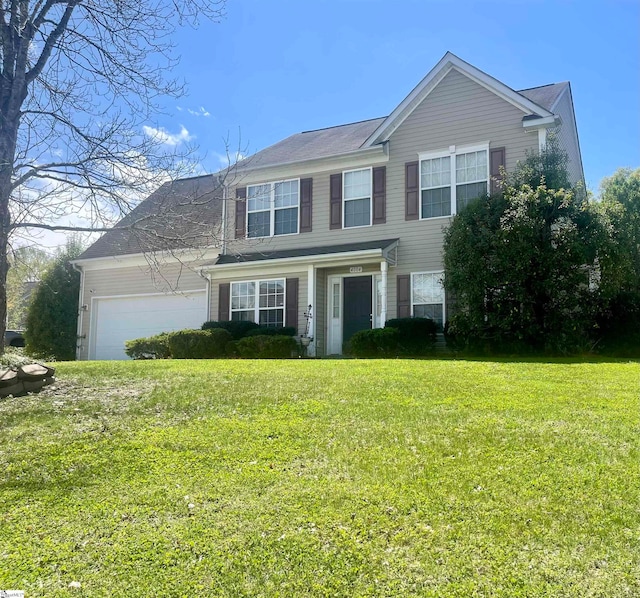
(324, 478)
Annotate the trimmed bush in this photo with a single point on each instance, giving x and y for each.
(266, 347)
(417, 336)
(153, 347)
(199, 344)
(238, 329)
(272, 331)
(378, 342)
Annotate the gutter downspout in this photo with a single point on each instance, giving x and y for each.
(207, 280)
(79, 336)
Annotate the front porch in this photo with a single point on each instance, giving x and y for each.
(346, 288)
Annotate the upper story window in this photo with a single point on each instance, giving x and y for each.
(272, 208)
(260, 301)
(448, 182)
(357, 197)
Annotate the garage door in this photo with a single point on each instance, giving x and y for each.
(116, 320)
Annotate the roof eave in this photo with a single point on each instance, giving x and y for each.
(360, 152)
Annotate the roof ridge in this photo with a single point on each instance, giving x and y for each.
(357, 122)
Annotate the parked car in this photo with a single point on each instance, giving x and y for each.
(13, 338)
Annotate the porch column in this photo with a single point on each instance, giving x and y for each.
(311, 301)
(383, 291)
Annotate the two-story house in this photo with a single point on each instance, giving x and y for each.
(344, 224)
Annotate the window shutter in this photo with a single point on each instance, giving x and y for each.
(380, 195)
(404, 295)
(496, 160)
(291, 312)
(411, 205)
(224, 292)
(306, 194)
(335, 205)
(241, 212)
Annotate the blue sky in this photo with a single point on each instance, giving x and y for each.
(273, 68)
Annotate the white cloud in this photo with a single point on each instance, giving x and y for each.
(163, 136)
(202, 111)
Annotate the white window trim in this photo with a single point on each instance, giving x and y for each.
(256, 307)
(452, 152)
(272, 208)
(444, 294)
(344, 201)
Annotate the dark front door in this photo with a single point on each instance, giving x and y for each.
(357, 305)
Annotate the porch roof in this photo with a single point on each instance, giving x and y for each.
(383, 246)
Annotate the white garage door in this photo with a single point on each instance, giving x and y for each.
(116, 320)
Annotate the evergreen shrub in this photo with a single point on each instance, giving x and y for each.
(152, 347)
(266, 347)
(376, 342)
(199, 344)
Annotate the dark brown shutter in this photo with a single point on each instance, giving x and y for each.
(411, 203)
(291, 315)
(306, 196)
(496, 160)
(241, 212)
(380, 195)
(335, 205)
(404, 295)
(224, 292)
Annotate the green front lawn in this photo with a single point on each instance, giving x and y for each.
(324, 478)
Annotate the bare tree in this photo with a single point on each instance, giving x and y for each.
(78, 78)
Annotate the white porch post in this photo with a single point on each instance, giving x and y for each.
(311, 301)
(383, 291)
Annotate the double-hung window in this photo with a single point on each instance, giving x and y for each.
(449, 181)
(427, 296)
(260, 301)
(356, 185)
(272, 208)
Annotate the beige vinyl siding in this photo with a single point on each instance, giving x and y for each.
(266, 275)
(568, 136)
(137, 280)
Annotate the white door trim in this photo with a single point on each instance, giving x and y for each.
(335, 325)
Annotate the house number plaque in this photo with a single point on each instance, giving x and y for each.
(355, 269)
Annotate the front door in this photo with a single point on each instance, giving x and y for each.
(357, 305)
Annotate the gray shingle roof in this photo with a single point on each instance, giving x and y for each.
(314, 144)
(545, 95)
(180, 214)
(306, 251)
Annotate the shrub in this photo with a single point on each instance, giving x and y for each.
(153, 347)
(378, 342)
(266, 347)
(238, 329)
(272, 331)
(416, 336)
(53, 311)
(199, 344)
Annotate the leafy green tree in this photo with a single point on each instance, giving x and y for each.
(519, 263)
(53, 311)
(619, 318)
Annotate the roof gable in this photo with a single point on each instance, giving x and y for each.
(448, 62)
